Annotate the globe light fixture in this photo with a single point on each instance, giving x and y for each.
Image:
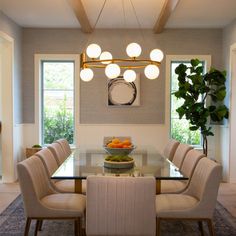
(129, 76)
(112, 71)
(86, 74)
(93, 50)
(151, 71)
(156, 55)
(95, 57)
(133, 50)
(105, 56)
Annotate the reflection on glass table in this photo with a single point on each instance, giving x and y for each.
(80, 164)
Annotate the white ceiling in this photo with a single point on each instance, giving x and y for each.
(58, 13)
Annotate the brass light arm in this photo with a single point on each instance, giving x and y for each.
(129, 63)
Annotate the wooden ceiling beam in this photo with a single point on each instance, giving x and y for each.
(167, 9)
(81, 15)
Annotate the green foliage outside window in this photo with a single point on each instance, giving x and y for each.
(181, 132)
(58, 101)
(58, 123)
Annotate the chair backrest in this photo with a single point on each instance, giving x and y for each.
(49, 161)
(190, 161)
(65, 146)
(120, 206)
(34, 184)
(170, 149)
(204, 186)
(58, 152)
(180, 154)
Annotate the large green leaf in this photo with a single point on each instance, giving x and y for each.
(195, 62)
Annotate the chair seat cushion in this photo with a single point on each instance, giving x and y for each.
(173, 186)
(71, 204)
(175, 205)
(68, 186)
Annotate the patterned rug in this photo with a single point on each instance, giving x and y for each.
(12, 223)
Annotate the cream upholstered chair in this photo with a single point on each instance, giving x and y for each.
(198, 201)
(187, 169)
(120, 206)
(41, 202)
(65, 146)
(51, 165)
(170, 149)
(180, 154)
(58, 152)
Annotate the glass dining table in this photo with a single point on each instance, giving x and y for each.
(82, 163)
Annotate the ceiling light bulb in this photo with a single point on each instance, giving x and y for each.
(129, 76)
(133, 50)
(86, 74)
(151, 71)
(93, 50)
(112, 71)
(105, 56)
(156, 55)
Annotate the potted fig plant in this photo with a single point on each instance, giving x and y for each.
(203, 96)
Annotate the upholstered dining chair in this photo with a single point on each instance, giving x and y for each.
(41, 202)
(180, 154)
(187, 169)
(170, 149)
(65, 146)
(58, 152)
(120, 206)
(51, 165)
(197, 202)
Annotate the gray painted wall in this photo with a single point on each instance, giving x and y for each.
(93, 98)
(12, 29)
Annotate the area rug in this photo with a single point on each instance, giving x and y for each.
(12, 223)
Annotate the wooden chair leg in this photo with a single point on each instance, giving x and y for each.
(158, 226)
(27, 226)
(40, 225)
(77, 227)
(210, 227)
(200, 226)
(37, 227)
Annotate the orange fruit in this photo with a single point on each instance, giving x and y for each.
(115, 140)
(110, 145)
(119, 145)
(127, 142)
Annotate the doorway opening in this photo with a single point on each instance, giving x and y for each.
(7, 169)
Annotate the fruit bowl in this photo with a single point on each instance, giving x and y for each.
(118, 145)
(119, 151)
(119, 162)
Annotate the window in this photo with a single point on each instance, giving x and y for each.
(179, 128)
(57, 100)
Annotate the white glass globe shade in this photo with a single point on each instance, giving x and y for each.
(105, 56)
(133, 50)
(151, 71)
(86, 74)
(129, 75)
(156, 55)
(93, 50)
(112, 71)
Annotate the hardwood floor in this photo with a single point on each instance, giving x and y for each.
(227, 197)
(8, 193)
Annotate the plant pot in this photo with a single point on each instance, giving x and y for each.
(31, 151)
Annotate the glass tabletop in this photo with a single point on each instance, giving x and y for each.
(81, 164)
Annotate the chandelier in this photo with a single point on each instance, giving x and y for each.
(95, 58)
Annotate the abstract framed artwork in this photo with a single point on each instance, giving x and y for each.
(122, 93)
